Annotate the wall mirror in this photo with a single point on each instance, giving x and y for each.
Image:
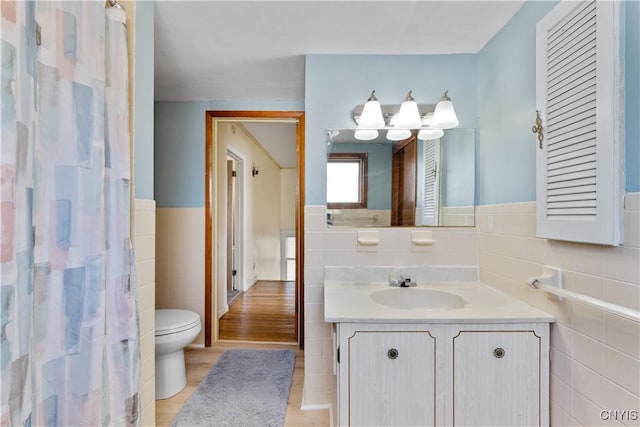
(382, 183)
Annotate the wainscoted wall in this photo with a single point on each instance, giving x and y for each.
(595, 356)
(180, 261)
(143, 232)
(457, 216)
(338, 247)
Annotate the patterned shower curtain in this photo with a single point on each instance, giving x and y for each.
(69, 339)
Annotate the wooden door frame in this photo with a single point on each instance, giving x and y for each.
(210, 299)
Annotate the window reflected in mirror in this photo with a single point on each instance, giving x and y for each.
(347, 181)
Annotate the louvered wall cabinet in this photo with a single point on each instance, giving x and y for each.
(579, 97)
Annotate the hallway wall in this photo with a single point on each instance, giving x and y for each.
(262, 204)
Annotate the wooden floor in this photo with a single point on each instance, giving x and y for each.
(199, 362)
(266, 313)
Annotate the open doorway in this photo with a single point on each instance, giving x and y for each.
(227, 247)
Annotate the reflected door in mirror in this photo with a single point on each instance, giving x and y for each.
(403, 182)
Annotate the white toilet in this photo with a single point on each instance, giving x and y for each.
(175, 329)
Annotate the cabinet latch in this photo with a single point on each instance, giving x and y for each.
(538, 129)
(338, 354)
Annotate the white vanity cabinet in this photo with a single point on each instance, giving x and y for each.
(454, 354)
(387, 375)
(426, 374)
(498, 375)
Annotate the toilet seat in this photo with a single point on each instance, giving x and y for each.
(173, 321)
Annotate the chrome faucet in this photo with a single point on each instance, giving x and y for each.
(403, 282)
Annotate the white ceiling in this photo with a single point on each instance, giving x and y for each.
(278, 139)
(254, 50)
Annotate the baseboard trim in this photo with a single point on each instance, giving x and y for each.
(224, 311)
(319, 408)
(316, 407)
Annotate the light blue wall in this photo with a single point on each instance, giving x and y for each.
(458, 163)
(632, 100)
(335, 84)
(143, 125)
(179, 155)
(506, 105)
(179, 151)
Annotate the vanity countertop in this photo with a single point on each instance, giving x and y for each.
(351, 302)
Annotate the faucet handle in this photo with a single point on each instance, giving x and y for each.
(395, 279)
(407, 283)
(401, 280)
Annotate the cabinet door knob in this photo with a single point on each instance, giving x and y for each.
(392, 353)
(499, 352)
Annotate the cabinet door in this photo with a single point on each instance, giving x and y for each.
(579, 79)
(496, 378)
(391, 378)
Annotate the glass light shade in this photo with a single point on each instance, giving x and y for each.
(429, 134)
(371, 117)
(444, 117)
(365, 134)
(409, 116)
(398, 134)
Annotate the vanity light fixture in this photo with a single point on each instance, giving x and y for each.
(371, 117)
(444, 117)
(408, 116)
(399, 121)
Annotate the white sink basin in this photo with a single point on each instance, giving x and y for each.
(417, 299)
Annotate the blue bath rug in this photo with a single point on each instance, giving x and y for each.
(245, 388)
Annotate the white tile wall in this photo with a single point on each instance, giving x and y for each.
(595, 362)
(457, 216)
(339, 247)
(180, 261)
(590, 351)
(143, 232)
